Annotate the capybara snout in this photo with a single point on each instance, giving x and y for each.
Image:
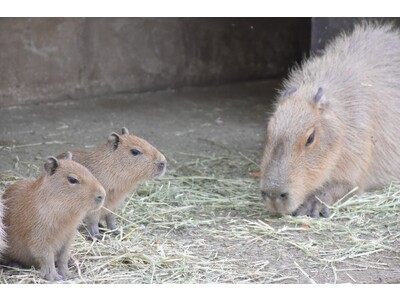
(161, 167)
(99, 198)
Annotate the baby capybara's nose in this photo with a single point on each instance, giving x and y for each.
(99, 198)
(161, 166)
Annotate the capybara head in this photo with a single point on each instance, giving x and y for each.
(72, 184)
(303, 142)
(133, 157)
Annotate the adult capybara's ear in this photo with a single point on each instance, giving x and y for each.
(320, 100)
(124, 130)
(51, 165)
(288, 92)
(114, 140)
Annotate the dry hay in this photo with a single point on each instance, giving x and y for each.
(195, 226)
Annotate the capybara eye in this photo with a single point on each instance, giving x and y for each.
(136, 152)
(72, 180)
(310, 139)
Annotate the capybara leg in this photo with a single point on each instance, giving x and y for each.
(47, 268)
(94, 232)
(92, 226)
(62, 262)
(316, 204)
(71, 262)
(110, 220)
(313, 208)
(301, 210)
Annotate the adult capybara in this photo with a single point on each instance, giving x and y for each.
(3, 243)
(335, 125)
(41, 216)
(119, 164)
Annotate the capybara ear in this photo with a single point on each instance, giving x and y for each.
(51, 165)
(320, 99)
(124, 130)
(68, 155)
(114, 140)
(289, 92)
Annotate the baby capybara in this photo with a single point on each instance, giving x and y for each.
(335, 125)
(41, 216)
(119, 164)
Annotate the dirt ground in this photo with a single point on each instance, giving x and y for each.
(186, 123)
(210, 131)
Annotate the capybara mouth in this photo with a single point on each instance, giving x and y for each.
(281, 203)
(286, 207)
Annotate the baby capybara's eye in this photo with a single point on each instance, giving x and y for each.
(72, 180)
(136, 152)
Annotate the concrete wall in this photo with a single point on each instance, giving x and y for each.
(50, 59)
(325, 29)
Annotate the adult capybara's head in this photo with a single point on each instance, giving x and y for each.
(302, 144)
(133, 157)
(71, 186)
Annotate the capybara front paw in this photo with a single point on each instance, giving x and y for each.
(51, 276)
(71, 262)
(313, 208)
(64, 273)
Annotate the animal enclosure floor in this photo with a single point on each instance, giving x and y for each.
(204, 221)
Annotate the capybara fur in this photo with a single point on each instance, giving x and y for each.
(3, 243)
(41, 216)
(336, 124)
(119, 164)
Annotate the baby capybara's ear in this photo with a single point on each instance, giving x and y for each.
(68, 155)
(51, 165)
(114, 140)
(124, 130)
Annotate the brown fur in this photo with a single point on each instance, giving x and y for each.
(119, 171)
(42, 215)
(349, 97)
(3, 243)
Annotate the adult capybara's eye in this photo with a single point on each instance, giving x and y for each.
(72, 180)
(310, 139)
(136, 152)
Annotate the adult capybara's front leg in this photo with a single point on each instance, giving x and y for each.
(317, 203)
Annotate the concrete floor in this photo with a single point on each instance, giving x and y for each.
(180, 123)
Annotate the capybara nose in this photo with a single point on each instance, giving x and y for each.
(275, 194)
(264, 195)
(161, 166)
(99, 198)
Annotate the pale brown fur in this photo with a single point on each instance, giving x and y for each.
(3, 242)
(349, 96)
(119, 171)
(42, 215)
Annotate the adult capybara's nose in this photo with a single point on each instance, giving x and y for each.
(275, 194)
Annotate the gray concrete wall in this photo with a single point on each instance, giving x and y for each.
(325, 29)
(50, 59)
